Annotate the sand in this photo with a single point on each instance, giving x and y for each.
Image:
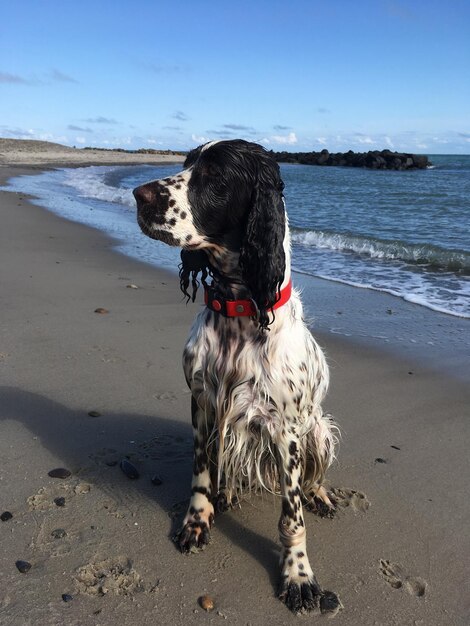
(397, 553)
(40, 153)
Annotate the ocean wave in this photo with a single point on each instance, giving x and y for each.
(89, 182)
(435, 257)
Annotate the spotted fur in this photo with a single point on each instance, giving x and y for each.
(257, 384)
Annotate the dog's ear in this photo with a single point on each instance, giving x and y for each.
(262, 257)
(193, 262)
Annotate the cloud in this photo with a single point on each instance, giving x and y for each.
(363, 139)
(101, 120)
(238, 127)
(321, 140)
(60, 77)
(79, 129)
(177, 128)
(16, 133)
(181, 116)
(165, 68)
(289, 139)
(279, 127)
(13, 79)
(323, 110)
(220, 133)
(389, 142)
(199, 139)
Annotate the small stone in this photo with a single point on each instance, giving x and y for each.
(23, 566)
(101, 310)
(82, 488)
(129, 469)
(58, 533)
(330, 603)
(395, 447)
(389, 311)
(59, 501)
(156, 480)
(380, 460)
(132, 286)
(94, 414)
(66, 597)
(206, 603)
(60, 472)
(5, 516)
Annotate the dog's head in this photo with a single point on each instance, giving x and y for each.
(227, 199)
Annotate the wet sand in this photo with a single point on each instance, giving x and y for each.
(397, 553)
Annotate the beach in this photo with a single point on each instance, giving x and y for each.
(397, 552)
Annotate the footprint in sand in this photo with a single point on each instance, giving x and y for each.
(394, 575)
(349, 498)
(115, 576)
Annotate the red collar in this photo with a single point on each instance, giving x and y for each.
(240, 308)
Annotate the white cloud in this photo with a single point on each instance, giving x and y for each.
(199, 139)
(389, 142)
(366, 140)
(321, 140)
(284, 139)
(80, 139)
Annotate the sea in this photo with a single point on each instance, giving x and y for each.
(403, 233)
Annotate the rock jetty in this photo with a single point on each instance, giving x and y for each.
(375, 159)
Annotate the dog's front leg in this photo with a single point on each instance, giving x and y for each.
(200, 516)
(299, 589)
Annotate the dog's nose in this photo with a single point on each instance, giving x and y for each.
(144, 194)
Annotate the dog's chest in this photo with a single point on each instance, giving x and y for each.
(230, 367)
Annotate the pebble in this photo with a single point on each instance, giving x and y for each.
(156, 480)
(129, 469)
(380, 460)
(66, 597)
(59, 501)
(329, 602)
(132, 286)
(23, 566)
(5, 516)
(101, 310)
(395, 447)
(94, 413)
(206, 603)
(58, 533)
(59, 472)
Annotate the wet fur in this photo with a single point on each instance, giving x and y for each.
(257, 384)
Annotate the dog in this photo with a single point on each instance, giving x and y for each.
(256, 374)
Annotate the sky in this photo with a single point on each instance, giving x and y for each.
(293, 75)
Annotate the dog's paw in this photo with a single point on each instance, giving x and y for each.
(301, 596)
(195, 534)
(222, 504)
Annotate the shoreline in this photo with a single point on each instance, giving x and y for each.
(361, 316)
(60, 360)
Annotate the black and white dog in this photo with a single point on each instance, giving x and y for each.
(256, 374)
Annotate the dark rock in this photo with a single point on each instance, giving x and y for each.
(59, 501)
(66, 597)
(329, 602)
(23, 566)
(156, 480)
(374, 159)
(5, 516)
(129, 469)
(60, 472)
(380, 460)
(58, 533)
(94, 414)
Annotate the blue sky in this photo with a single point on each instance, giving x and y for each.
(290, 74)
